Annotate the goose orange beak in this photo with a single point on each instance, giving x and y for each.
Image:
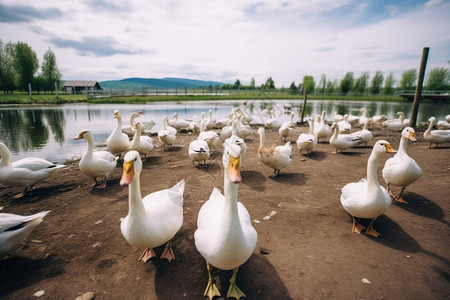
(234, 167)
(128, 173)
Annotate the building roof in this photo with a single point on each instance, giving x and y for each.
(82, 83)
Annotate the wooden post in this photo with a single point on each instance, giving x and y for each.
(29, 90)
(304, 105)
(56, 89)
(415, 107)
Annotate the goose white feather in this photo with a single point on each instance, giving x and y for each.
(154, 219)
(367, 198)
(395, 124)
(167, 135)
(15, 228)
(286, 128)
(199, 151)
(129, 130)
(342, 141)
(117, 142)
(25, 172)
(225, 236)
(307, 141)
(321, 129)
(96, 164)
(438, 136)
(364, 135)
(401, 170)
(141, 143)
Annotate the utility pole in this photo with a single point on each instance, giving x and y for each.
(415, 107)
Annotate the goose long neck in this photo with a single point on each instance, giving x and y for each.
(137, 134)
(135, 204)
(403, 145)
(372, 166)
(230, 219)
(90, 148)
(5, 156)
(262, 138)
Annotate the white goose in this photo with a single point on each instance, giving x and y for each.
(15, 228)
(395, 124)
(24, 172)
(235, 139)
(401, 170)
(344, 125)
(342, 141)
(322, 130)
(363, 118)
(141, 143)
(436, 136)
(307, 141)
(444, 124)
(178, 124)
(210, 122)
(273, 122)
(153, 220)
(117, 142)
(129, 130)
(367, 198)
(286, 128)
(199, 151)
(277, 158)
(225, 236)
(209, 136)
(98, 163)
(167, 135)
(194, 125)
(365, 135)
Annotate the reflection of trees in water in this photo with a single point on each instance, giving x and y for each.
(24, 130)
(57, 123)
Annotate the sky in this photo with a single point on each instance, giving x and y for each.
(226, 40)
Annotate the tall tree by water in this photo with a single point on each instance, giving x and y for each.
(408, 80)
(376, 83)
(388, 88)
(308, 83)
(360, 84)
(322, 83)
(438, 79)
(7, 73)
(50, 71)
(346, 84)
(26, 64)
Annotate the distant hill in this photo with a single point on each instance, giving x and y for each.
(152, 83)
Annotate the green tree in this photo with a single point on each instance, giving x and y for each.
(7, 73)
(376, 83)
(408, 80)
(346, 84)
(237, 84)
(293, 87)
(50, 72)
(388, 88)
(332, 86)
(322, 83)
(26, 64)
(270, 84)
(252, 83)
(360, 85)
(308, 83)
(438, 79)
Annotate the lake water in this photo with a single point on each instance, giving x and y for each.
(49, 131)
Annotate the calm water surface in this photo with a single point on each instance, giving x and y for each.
(49, 131)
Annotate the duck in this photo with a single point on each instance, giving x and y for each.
(367, 199)
(25, 172)
(273, 122)
(225, 236)
(117, 142)
(337, 116)
(307, 141)
(209, 136)
(286, 128)
(444, 124)
(322, 130)
(438, 136)
(395, 124)
(199, 151)
(178, 124)
(363, 118)
(167, 135)
(401, 170)
(129, 130)
(153, 220)
(96, 164)
(344, 125)
(235, 139)
(378, 119)
(16, 228)
(364, 135)
(243, 129)
(342, 141)
(194, 125)
(277, 158)
(141, 143)
(210, 122)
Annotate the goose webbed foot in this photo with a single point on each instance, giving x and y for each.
(147, 254)
(211, 289)
(168, 252)
(233, 290)
(357, 228)
(370, 230)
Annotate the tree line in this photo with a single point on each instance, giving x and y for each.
(19, 67)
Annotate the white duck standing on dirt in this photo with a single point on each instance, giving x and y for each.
(275, 157)
(307, 141)
(117, 142)
(96, 164)
(286, 128)
(367, 199)
(225, 236)
(24, 172)
(401, 170)
(15, 228)
(438, 136)
(141, 143)
(167, 135)
(154, 219)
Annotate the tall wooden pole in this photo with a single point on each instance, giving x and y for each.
(304, 105)
(415, 107)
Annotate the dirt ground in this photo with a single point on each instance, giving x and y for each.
(305, 249)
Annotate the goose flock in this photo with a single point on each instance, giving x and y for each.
(224, 236)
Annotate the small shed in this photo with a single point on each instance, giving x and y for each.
(80, 86)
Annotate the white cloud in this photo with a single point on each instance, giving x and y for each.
(229, 40)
